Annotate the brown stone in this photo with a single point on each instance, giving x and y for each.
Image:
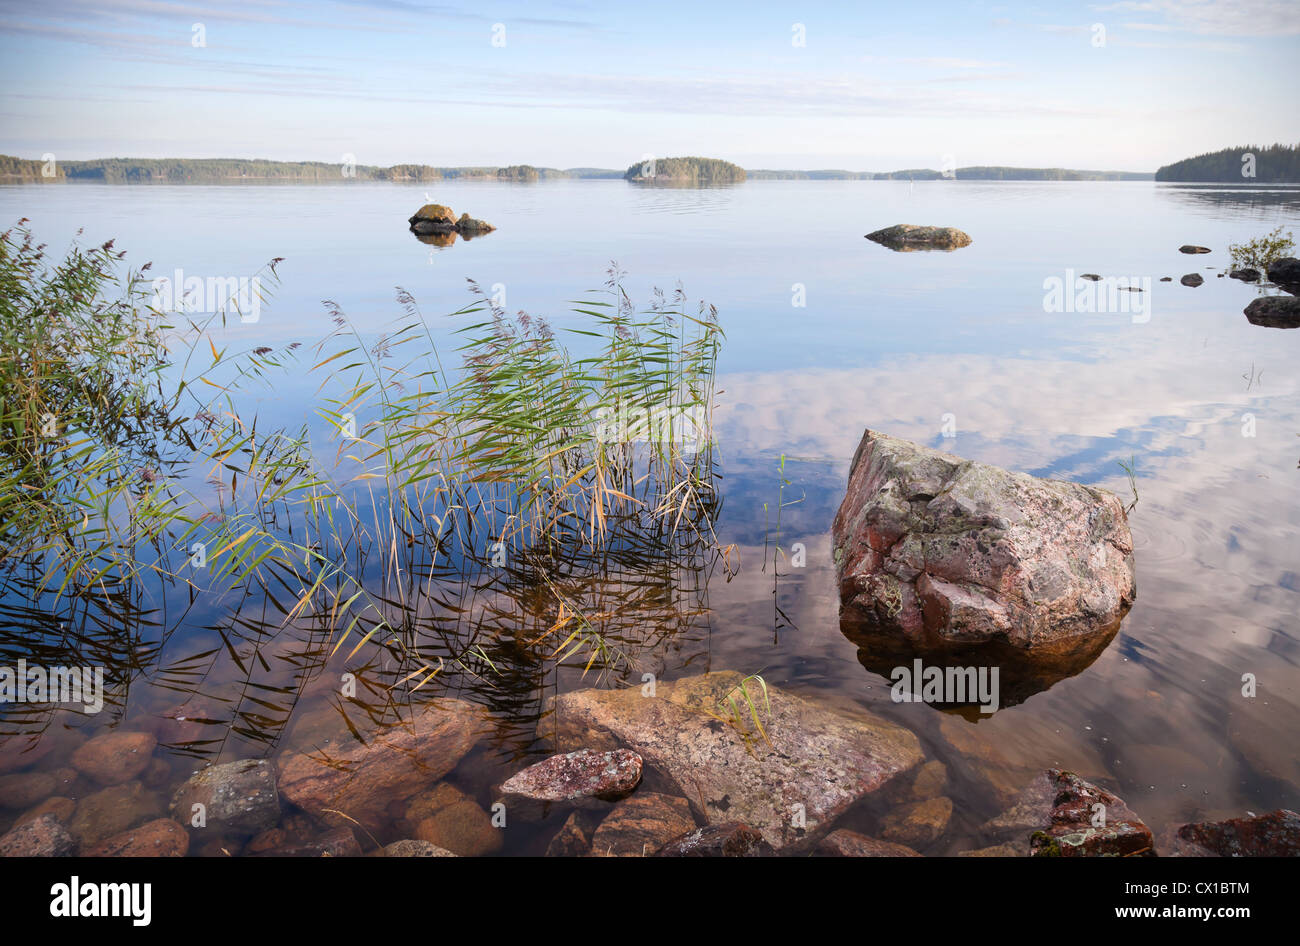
(641, 825)
(339, 842)
(238, 798)
(1276, 834)
(573, 777)
(842, 843)
(58, 806)
(574, 837)
(728, 839)
(361, 780)
(161, 838)
(1070, 831)
(931, 779)
(40, 837)
(115, 757)
(25, 749)
(919, 823)
(411, 848)
(451, 819)
(113, 810)
(25, 789)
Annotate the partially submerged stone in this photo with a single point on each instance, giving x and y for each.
(807, 767)
(1192, 249)
(574, 777)
(939, 552)
(433, 218)
(1087, 821)
(1274, 311)
(907, 236)
(642, 825)
(918, 823)
(1276, 834)
(728, 839)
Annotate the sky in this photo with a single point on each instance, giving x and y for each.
(867, 86)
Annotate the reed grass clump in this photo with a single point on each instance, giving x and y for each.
(529, 460)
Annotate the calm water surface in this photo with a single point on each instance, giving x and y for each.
(1205, 405)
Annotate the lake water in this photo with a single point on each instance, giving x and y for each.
(827, 334)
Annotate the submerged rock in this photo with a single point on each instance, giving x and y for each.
(1192, 279)
(238, 797)
(945, 552)
(56, 805)
(574, 837)
(112, 811)
(22, 750)
(1091, 276)
(907, 236)
(575, 776)
(41, 837)
(1087, 821)
(410, 848)
(449, 818)
(918, 823)
(1276, 834)
(115, 757)
(340, 842)
(1275, 311)
(728, 839)
(1245, 275)
(1192, 249)
(815, 762)
(642, 825)
(842, 843)
(362, 780)
(161, 838)
(26, 789)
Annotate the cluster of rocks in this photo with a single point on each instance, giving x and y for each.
(436, 219)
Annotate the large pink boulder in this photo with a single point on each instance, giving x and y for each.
(943, 552)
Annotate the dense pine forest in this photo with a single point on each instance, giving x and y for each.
(1247, 164)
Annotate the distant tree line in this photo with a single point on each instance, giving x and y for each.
(961, 174)
(1276, 164)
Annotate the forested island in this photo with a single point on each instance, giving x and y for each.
(688, 170)
(1248, 164)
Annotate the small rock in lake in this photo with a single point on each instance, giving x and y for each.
(1285, 273)
(907, 236)
(449, 818)
(1245, 275)
(1190, 249)
(58, 806)
(1092, 276)
(1166, 278)
(1275, 311)
(1192, 279)
(113, 810)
